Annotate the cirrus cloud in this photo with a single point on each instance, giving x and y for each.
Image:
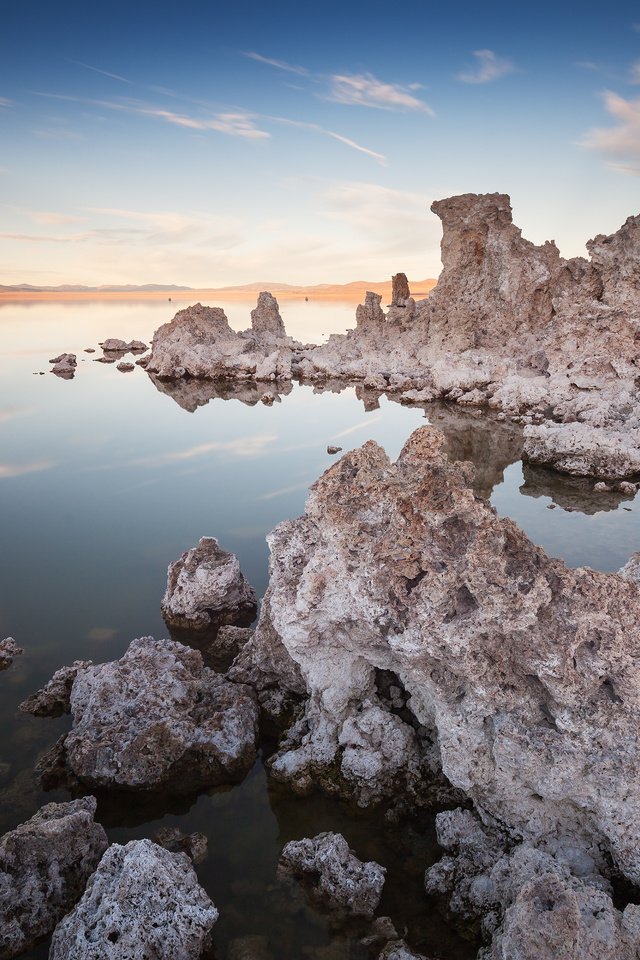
(488, 67)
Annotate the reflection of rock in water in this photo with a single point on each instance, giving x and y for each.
(490, 445)
(191, 393)
(570, 493)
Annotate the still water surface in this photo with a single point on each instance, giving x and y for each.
(105, 479)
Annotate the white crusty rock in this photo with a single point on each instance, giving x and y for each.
(584, 450)
(44, 865)
(631, 569)
(206, 588)
(533, 903)
(265, 318)
(157, 718)
(54, 698)
(141, 902)
(337, 878)
(523, 673)
(9, 650)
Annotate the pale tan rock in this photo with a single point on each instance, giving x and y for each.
(265, 318)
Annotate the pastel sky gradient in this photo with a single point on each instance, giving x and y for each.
(209, 144)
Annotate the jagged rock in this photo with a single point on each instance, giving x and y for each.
(331, 449)
(54, 698)
(337, 878)
(230, 640)
(141, 902)
(65, 358)
(206, 588)
(400, 292)
(631, 569)
(265, 317)
(535, 904)
(44, 865)
(516, 675)
(125, 367)
(157, 718)
(143, 362)
(114, 345)
(399, 950)
(195, 845)
(137, 346)
(9, 650)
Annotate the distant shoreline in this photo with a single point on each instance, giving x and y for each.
(346, 292)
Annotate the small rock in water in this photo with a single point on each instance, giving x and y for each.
(268, 399)
(195, 845)
(142, 901)
(206, 589)
(337, 877)
(8, 650)
(551, 506)
(143, 361)
(627, 487)
(137, 346)
(601, 487)
(89, 349)
(64, 365)
(125, 367)
(331, 449)
(114, 345)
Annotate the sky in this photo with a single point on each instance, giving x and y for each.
(211, 144)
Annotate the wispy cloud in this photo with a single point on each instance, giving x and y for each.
(279, 64)
(364, 424)
(8, 470)
(47, 218)
(634, 73)
(316, 128)
(4, 102)
(488, 67)
(365, 90)
(283, 491)
(104, 73)
(620, 142)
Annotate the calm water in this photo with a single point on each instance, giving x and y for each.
(105, 479)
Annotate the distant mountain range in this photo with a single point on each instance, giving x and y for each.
(348, 291)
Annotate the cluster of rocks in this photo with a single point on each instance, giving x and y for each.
(510, 325)
(421, 634)
(64, 365)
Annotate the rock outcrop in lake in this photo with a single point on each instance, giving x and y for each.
(141, 902)
(428, 633)
(159, 719)
(206, 589)
(337, 878)
(9, 650)
(44, 866)
(510, 325)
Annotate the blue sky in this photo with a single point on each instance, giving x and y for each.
(210, 144)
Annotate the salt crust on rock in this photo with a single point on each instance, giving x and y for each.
(534, 903)
(54, 698)
(9, 650)
(526, 672)
(141, 902)
(157, 718)
(206, 588)
(338, 879)
(44, 865)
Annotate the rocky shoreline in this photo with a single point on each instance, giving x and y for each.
(549, 342)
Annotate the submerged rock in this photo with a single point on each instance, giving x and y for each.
(195, 845)
(44, 865)
(9, 650)
(54, 699)
(206, 588)
(141, 902)
(513, 674)
(157, 718)
(337, 878)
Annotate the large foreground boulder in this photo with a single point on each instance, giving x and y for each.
(206, 588)
(158, 718)
(425, 627)
(336, 877)
(44, 866)
(142, 902)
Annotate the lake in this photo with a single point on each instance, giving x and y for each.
(106, 478)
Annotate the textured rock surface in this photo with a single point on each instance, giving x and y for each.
(9, 650)
(400, 292)
(141, 902)
(44, 865)
(64, 366)
(534, 903)
(54, 698)
(584, 450)
(206, 588)
(522, 673)
(265, 318)
(336, 876)
(398, 950)
(158, 718)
